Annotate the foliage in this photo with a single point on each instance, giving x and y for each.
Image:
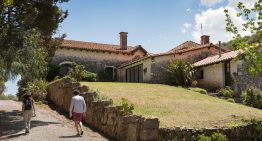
(7, 97)
(214, 137)
(2, 87)
(252, 48)
(199, 90)
(257, 125)
(203, 138)
(18, 18)
(253, 97)
(231, 100)
(226, 92)
(38, 89)
(53, 72)
(181, 72)
(125, 107)
(79, 73)
(88, 76)
(194, 83)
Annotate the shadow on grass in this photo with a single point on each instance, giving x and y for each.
(66, 114)
(11, 123)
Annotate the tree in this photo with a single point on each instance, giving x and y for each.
(252, 47)
(18, 18)
(181, 72)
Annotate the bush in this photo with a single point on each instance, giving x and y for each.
(231, 100)
(257, 125)
(8, 97)
(2, 87)
(79, 73)
(38, 89)
(194, 83)
(226, 92)
(53, 72)
(125, 107)
(214, 137)
(88, 76)
(203, 138)
(218, 137)
(253, 97)
(181, 72)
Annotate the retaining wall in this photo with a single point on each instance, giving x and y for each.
(104, 117)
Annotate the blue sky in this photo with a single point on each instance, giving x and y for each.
(157, 25)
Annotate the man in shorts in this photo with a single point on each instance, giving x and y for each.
(78, 111)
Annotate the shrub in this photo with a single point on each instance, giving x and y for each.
(203, 138)
(181, 72)
(79, 73)
(226, 92)
(2, 87)
(257, 125)
(125, 107)
(253, 97)
(53, 72)
(88, 76)
(214, 137)
(38, 89)
(8, 97)
(194, 83)
(231, 100)
(218, 137)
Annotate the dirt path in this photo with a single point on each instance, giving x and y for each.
(48, 125)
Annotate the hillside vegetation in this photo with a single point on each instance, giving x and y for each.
(176, 106)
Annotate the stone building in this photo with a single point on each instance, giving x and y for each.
(152, 68)
(98, 57)
(217, 71)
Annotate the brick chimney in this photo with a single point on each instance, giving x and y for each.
(123, 40)
(205, 39)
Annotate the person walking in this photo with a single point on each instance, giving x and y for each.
(28, 109)
(78, 111)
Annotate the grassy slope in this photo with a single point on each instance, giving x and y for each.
(176, 106)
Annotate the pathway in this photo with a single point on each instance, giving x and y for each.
(48, 125)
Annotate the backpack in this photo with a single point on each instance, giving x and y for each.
(28, 104)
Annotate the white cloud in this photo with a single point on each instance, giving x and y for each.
(185, 27)
(247, 3)
(213, 21)
(210, 3)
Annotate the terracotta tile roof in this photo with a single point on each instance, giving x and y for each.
(185, 45)
(217, 59)
(181, 50)
(98, 46)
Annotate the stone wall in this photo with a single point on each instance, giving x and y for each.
(243, 79)
(103, 116)
(245, 133)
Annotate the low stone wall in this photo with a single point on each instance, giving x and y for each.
(244, 133)
(104, 117)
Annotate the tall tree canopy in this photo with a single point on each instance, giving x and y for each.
(253, 23)
(26, 29)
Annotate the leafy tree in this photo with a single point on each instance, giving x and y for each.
(252, 47)
(181, 72)
(26, 43)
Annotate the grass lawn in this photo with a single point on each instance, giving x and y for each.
(175, 106)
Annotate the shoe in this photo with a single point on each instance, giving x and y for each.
(78, 135)
(82, 133)
(26, 130)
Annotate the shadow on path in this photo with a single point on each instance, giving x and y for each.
(66, 114)
(11, 123)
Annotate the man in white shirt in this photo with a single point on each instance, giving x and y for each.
(78, 111)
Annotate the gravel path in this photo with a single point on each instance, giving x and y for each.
(48, 125)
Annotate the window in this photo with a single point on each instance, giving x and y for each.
(200, 74)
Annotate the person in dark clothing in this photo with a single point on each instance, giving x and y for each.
(28, 109)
